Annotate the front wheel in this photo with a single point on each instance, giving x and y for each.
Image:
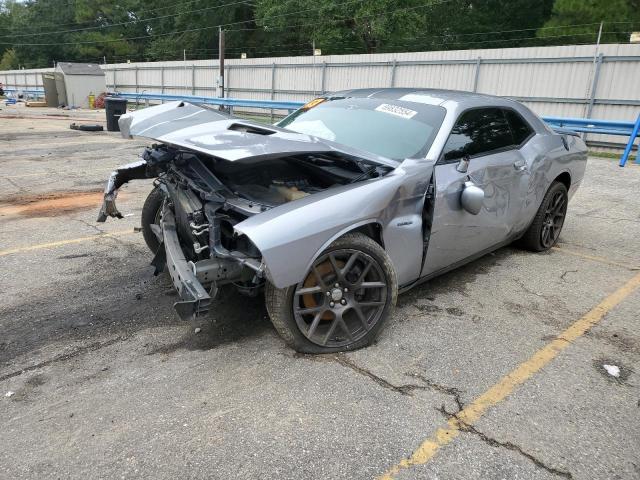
(342, 303)
(547, 224)
(151, 215)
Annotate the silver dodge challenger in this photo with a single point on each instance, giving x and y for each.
(353, 198)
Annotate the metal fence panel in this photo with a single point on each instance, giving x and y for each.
(559, 81)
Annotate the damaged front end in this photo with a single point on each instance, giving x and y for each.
(215, 173)
(195, 212)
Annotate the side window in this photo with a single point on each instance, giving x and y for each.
(476, 132)
(519, 127)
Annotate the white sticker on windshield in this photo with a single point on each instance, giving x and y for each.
(396, 110)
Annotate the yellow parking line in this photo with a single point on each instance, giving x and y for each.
(60, 243)
(496, 394)
(596, 258)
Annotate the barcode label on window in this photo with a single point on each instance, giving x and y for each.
(396, 110)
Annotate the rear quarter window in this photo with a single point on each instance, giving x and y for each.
(520, 129)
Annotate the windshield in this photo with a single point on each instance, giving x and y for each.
(396, 130)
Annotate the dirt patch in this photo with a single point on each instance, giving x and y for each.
(51, 204)
(428, 307)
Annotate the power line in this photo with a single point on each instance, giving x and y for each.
(495, 32)
(168, 33)
(130, 22)
(430, 4)
(449, 38)
(256, 52)
(137, 12)
(546, 38)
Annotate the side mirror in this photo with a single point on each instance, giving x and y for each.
(472, 198)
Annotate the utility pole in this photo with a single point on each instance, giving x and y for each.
(221, 60)
(594, 66)
(313, 68)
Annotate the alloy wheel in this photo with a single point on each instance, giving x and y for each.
(553, 219)
(341, 299)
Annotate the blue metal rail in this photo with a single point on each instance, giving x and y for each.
(37, 93)
(227, 102)
(634, 133)
(602, 127)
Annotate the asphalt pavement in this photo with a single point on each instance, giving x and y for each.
(493, 371)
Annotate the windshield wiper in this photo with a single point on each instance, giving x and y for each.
(364, 174)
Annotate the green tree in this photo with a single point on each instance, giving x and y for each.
(110, 24)
(619, 18)
(34, 33)
(43, 18)
(351, 26)
(388, 25)
(198, 25)
(9, 60)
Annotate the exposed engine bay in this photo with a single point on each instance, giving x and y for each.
(205, 197)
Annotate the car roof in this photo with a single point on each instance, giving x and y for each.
(455, 101)
(432, 96)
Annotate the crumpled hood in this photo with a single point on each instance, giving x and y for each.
(201, 129)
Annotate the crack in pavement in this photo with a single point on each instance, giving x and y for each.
(106, 233)
(456, 394)
(452, 391)
(566, 272)
(345, 362)
(528, 290)
(65, 356)
(515, 448)
(465, 427)
(90, 225)
(405, 389)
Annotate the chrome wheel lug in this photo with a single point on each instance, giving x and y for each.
(346, 289)
(331, 304)
(337, 285)
(328, 294)
(343, 301)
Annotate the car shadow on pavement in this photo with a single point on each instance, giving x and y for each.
(456, 280)
(233, 318)
(118, 302)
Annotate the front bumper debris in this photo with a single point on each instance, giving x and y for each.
(194, 299)
(151, 165)
(120, 176)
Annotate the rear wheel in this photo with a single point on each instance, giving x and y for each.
(151, 215)
(342, 303)
(547, 224)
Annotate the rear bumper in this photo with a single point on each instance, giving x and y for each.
(194, 299)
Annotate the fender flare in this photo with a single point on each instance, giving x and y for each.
(342, 232)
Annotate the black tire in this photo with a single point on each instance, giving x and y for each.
(366, 264)
(86, 127)
(544, 231)
(151, 211)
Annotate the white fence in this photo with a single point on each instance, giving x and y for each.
(567, 81)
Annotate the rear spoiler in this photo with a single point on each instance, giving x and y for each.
(565, 131)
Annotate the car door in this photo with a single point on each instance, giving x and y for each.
(480, 149)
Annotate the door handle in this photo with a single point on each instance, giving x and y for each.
(520, 165)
